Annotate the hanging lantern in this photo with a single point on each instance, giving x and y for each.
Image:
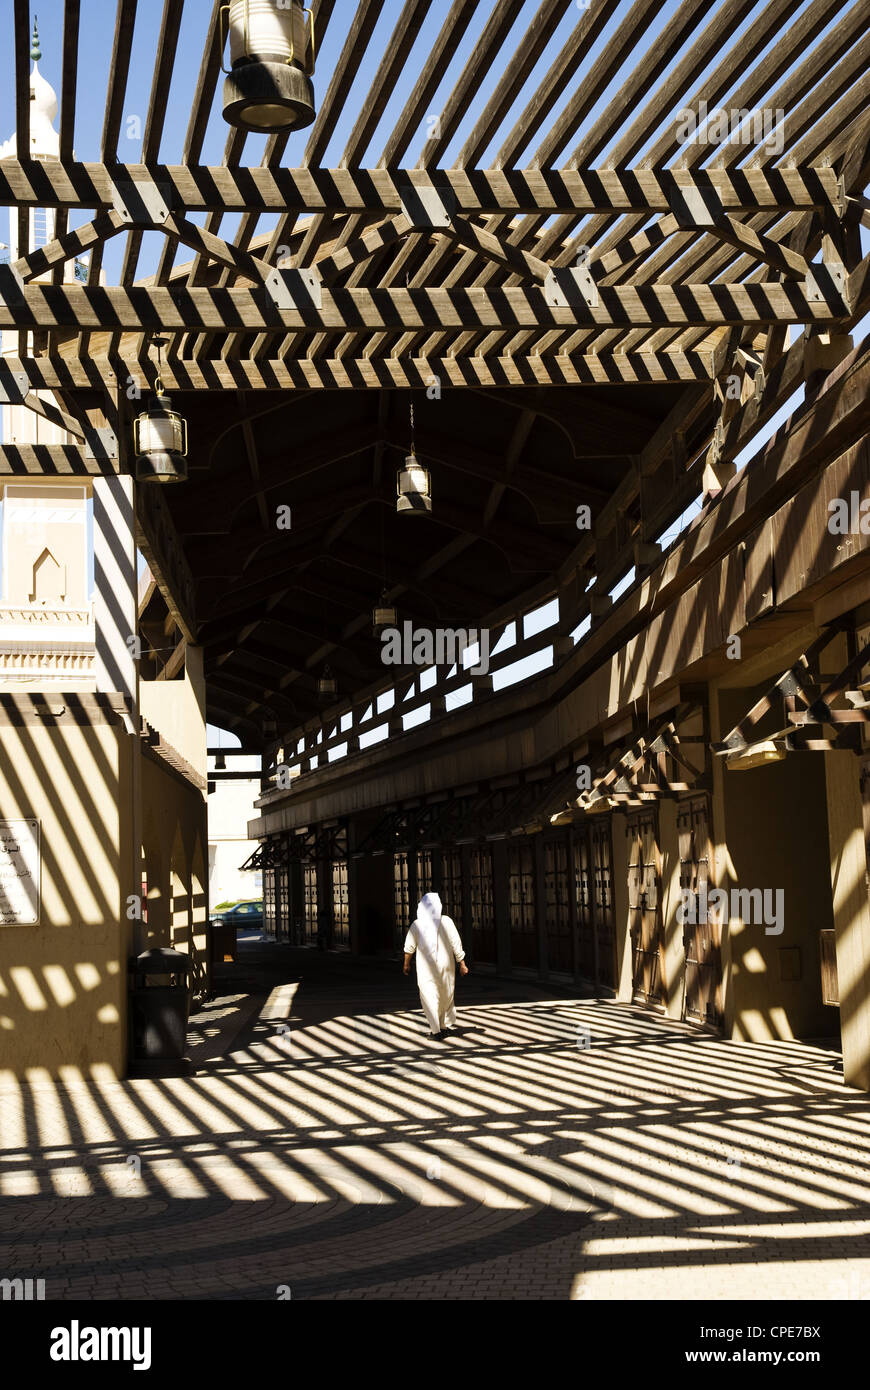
(414, 497)
(269, 86)
(160, 441)
(383, 614)
(327, 686)
(220, 762)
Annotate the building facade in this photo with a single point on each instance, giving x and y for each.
(102, 759)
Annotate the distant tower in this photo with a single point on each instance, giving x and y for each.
(46, 618)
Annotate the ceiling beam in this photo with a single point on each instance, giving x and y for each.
(196, 188)
(404, 372)
(149, 309)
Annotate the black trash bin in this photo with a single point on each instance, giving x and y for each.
(158, 1012)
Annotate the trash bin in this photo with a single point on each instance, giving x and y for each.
(159, 1011)
(222, 936)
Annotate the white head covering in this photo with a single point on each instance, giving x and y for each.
(429, 920)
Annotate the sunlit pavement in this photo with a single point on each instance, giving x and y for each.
(326, 1148)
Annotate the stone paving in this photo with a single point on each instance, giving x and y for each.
(325, 1148)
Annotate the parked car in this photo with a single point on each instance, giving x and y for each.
(247, 914)
(224, 925)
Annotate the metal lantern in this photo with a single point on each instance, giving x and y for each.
(327, 686)
(383, 614)
(269, 88)
(414, 497)
(160, 441)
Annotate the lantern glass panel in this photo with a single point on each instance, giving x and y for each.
(161, 433)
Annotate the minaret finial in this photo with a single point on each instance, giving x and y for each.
(35, 51)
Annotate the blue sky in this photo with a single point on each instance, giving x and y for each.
(95, 56)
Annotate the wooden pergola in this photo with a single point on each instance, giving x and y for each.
(598, 317)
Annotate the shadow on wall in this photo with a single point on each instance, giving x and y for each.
(64, 979)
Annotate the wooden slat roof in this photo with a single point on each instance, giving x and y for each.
(565, 126)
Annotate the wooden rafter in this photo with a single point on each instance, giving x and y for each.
(146, 309)
(372, 373)
(194, 188)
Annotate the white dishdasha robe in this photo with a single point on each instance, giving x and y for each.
(433, 938)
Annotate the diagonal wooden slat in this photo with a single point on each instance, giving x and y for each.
(70, 245)
(167, 46)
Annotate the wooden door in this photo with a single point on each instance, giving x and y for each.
(310, 892)
(451, 885)
(523, 927)
(601, 855)
(269, 923)
(482, 913)
(404, 911)
(425, 883)
(702, 940)
(584, 890)
(644, 901)
(340, 906)
(558, 907)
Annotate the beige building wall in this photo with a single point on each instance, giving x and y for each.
(230, 806)
(773, 982)
(63, 981)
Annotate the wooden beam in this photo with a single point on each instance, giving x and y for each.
(789, 372)
(759, 247)
(155, 309)
(404, 372)
(465, 233)
(159, 541)
(69, 245)
(198, 188)
(53, 460)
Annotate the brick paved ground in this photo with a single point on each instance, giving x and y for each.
(327, 1148)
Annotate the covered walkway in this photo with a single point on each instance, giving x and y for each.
(324, 1149)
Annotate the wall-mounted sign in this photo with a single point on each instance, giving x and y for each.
(19, 873)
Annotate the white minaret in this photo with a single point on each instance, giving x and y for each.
(46, 617)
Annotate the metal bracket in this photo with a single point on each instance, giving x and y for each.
(293, 289)
(843, 199)
(101, 444)
(141, 201)
(14, 386)
(692, 208)
(568, 286)
(714, 453)
(11, 284)
(831, 274)
(424, 205)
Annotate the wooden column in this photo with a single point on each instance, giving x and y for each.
(851, 913)
(624, 963)
(501, 907)
(673, 950)
(541, 907)
(572, 905)
(115, 585)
